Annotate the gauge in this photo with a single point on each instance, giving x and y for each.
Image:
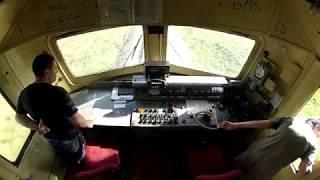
(260, 70)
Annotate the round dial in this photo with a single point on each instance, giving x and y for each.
(260, 71)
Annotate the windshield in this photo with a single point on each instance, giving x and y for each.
(207, 50)
(100, 51)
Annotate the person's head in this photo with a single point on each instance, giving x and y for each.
(315, 125)
(44, 68)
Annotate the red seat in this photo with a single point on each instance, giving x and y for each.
(210, 163)
(225, 176)
(98, 161)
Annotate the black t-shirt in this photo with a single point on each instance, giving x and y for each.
(53, 105)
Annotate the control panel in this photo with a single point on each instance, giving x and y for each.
(159, 99)
(158, 113)
(157, 116)
(178, 113)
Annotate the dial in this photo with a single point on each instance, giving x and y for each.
(260, 71)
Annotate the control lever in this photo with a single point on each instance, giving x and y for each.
(194, 117)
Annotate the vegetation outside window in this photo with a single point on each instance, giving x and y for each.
(12, 135)
(208, 50)
(100, 51)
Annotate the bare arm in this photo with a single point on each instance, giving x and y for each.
(25, 121)
(247, 124)
(309, 157)
(254, 124)
(78, 120)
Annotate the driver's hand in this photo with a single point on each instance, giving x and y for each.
(227, 125)
(42, 129)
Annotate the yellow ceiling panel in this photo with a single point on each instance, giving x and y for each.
(310, 24)
(45, 16)
(286, 26)
(253, 15)
(8, 11)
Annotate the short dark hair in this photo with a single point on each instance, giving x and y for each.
(41, 63)
(314, 123)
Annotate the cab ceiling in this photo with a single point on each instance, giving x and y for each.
(288, 20)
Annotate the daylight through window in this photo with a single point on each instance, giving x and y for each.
(208, 50)
(100, 51)
(12, 135)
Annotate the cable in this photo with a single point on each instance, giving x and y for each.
(194, 117)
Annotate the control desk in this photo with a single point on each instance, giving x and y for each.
(180, 101)
(178, 113)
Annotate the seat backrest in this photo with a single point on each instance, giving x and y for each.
(206, 161)
(230, 175)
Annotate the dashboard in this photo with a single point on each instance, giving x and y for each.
(159, 99)
(177, 101)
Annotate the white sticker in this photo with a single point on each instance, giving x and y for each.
(118, 106)
(120, 102)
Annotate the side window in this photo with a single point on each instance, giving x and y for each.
(310, 110)
(12, 135)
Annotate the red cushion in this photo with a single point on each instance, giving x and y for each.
(206, 160)
(97, 157)
(98, 161)
(225, 176)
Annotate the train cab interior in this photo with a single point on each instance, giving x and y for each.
(156, 78)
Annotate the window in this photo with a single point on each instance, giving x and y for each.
(12, 135)
(310, 110)
(100, 51)
(208, 50)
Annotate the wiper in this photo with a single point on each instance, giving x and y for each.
(175, 50)
(133, 51)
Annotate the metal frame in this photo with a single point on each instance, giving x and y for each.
(85, 80)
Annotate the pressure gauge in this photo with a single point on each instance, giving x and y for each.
(259, 75)
(260, 71)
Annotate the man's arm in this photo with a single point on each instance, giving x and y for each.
(270, 123)
(25, 121)
(247, 124)
(305, 168)
(71, 111)
(78, 120)
(308, 159)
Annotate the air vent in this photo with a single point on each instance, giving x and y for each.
(156, 29)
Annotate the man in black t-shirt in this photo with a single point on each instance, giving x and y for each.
(50, 111)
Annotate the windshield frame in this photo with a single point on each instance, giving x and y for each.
(138, 69)
(53, 47)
